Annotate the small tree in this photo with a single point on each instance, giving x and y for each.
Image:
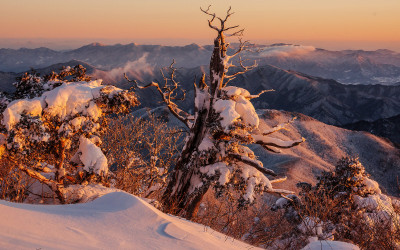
(55, 116)
(344, 205)
(223, 123)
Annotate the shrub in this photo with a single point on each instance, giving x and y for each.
(52, 125)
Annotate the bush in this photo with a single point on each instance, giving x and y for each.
(344, 205)
(141, 153)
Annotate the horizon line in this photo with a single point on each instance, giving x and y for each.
(63, 44)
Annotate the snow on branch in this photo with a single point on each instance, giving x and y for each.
(274, 142)
(36, 175)
(279, 127)
(281, 192)
(92, 157)
(259, 94)
(278, 180)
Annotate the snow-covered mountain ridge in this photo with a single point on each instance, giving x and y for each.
(324, 146)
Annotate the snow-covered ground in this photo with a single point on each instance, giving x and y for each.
(330, 245)
(114, 221)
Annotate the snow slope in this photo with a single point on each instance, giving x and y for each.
(324, 146)
(114, 221)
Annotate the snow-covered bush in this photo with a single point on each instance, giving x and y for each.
(51, 128)
(215, 152)
(345, 204)
(31, 84)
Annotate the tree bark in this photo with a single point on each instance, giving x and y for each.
(177, 198)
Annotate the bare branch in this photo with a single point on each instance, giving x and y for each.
(236, 33)
(202, 82)
(212, 19)
(222, 21)
(167, 95)
(207, 11)
(242, 45)
(252, 163)
(228, 13)
(229, 28)
(244, 69)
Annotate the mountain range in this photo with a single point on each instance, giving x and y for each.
(324, 99)
(308, 80)
(385, 127)
(347, 66)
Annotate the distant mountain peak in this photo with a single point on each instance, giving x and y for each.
(280, 44)
(193, 46)
(96, 44)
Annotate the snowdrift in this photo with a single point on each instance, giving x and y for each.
(114, 221)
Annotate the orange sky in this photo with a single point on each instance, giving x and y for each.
(365, 24)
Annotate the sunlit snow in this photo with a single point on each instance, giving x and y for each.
(115, 221)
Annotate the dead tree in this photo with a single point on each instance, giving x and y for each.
(223, 123)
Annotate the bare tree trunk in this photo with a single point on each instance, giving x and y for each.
(177, 197)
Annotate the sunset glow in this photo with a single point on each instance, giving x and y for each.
(368, 24)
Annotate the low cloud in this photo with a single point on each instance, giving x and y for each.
(137, 70)
(286, 50)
